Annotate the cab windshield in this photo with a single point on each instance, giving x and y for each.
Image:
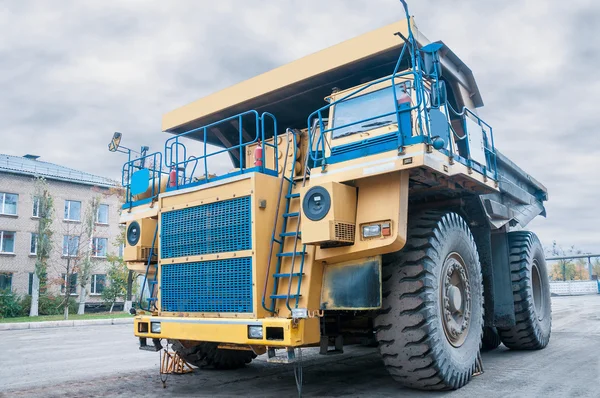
(350, 115)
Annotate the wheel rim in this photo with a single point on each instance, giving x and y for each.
(536, 287)
(456, 299)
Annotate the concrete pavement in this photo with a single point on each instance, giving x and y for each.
(105, 361)
(67, 323)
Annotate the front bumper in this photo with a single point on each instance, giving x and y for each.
(277, 332)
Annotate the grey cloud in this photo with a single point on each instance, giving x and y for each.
(73, 72)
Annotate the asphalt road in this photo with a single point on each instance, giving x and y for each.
(105, 361)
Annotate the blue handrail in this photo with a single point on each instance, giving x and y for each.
(155, 178)
(176, 156)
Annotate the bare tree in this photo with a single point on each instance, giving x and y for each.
(87, 266)
(44, 209)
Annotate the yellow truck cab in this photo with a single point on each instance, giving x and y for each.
(366, 202)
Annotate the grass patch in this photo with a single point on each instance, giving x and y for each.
(72, 317)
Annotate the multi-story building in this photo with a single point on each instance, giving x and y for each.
(72, 191)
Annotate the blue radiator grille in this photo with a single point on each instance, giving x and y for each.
(209, 286)
(212, 228)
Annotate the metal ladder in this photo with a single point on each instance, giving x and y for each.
(153, 282)
(283, 237)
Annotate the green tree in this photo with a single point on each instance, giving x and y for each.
(564, 270)
(117, 281)
(44, 204)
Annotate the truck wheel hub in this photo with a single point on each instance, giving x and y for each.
(456, 299)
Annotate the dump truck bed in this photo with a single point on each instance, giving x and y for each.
(293, 91)
(520, 199)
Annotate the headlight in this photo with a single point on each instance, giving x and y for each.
(255, 332)
(370, 231)
(133, 233)
(155, 327)
(316, 203)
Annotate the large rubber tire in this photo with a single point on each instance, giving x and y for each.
(531, 293)
(207, 355)
(491, 339)
(415, 347)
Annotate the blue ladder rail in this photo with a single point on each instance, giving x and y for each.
(281, 254)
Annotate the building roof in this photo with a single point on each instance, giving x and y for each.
(30, 166)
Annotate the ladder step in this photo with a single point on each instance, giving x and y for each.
(292, 195)
(287, 275)
(294, 214)
(290, 254)
(293, 233)
(282, 296)
(150, 299)
(152, 282)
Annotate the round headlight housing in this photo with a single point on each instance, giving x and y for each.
(133, 233)
(316, 203)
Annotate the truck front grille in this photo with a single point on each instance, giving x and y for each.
(217, 227)
(208, 286)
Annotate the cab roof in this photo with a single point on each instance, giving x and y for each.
(293, 91)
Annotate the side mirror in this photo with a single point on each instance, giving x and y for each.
(431, 59)
(116, 140)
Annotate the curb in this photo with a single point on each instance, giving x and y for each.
(64, 324)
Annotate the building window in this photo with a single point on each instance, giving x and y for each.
(7, 242)
(98, 283)
(121, 250)
(5, 281)
(36, 207)
(70, 245)
(102, 215)
(30, 283)
(33, 244)
(72, 210)
(8, 203)
(99, 246)
(72, 284)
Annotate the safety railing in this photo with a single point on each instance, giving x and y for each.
(422, 130)
(186, 168)
(143, 176)
(318, 155)
(489, 146)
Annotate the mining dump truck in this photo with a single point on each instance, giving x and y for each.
(365, 203)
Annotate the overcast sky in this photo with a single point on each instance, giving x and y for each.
(73, 72)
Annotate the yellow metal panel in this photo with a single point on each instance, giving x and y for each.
(380, 198)
(234, 331)
(208, 257)
(343, 209)
(147, 229)
(138, 212)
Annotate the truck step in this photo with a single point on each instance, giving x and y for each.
(292, 195)
(282, 296)
(288, 215)
(290, 254)
(293, 233)
(287, 275)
